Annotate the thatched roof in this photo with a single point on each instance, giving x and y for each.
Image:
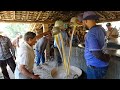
(49, 17)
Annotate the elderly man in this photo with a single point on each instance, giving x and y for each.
(112, 33)
(97, 61)
(25, 57)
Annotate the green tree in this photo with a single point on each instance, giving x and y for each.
(15, 29)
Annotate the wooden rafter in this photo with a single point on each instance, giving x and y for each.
(27, 15)
(113, 14)
(111, 20)
(115, 11)
(48, 15)
(33, 27)
(13, 15)
(38, 15)
(110, 15)
(40, 26)
(13, 21)
(100, 14)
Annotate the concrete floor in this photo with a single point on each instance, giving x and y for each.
(77, 59)
(10, 73)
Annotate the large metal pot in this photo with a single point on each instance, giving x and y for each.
(59, 73)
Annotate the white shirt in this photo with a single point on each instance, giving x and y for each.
(114, 31)
(25, 57)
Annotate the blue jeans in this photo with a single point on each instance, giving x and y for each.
(96, 72)
(39, 56)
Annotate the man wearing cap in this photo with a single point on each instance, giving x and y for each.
(96, 60)
(112, 33)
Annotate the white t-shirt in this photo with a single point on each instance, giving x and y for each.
(25, 56)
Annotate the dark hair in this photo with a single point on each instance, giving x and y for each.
(108, 24)
(29, 35)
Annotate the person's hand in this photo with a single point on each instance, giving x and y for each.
(14, 57)
(35, 77)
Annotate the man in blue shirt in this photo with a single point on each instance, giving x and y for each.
(39, 50)
(96, 60)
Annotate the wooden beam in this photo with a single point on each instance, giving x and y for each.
(33, 27)
(40, 26)
(115, 11)
(50, 22)
(113, 14)
(38, 15)
(100, 14)
(110, 20)
(13, 21)
(27, 15)
(0, 16)
(13, 15)
(48, 15)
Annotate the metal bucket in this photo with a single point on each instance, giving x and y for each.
(59, 73)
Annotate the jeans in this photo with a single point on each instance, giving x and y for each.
(3, 65)
(96, 72)
(39, 56)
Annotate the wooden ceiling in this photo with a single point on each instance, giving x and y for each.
(37, 18)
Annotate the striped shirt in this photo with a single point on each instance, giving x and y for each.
(6, 48)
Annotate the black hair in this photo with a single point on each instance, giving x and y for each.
(108, 24)
(29, 35)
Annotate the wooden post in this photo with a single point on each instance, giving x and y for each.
(47, 51)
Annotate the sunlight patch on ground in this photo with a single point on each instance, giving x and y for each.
(9, 71)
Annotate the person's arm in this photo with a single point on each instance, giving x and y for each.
(11, 48)
(25, 72)
(43, 34)
(114, 36)
(100, 55)
(17, 42)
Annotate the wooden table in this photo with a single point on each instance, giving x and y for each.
(116, 41)
(113, 47)
(114, 64)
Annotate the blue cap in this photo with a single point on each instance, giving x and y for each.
(90, 15)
